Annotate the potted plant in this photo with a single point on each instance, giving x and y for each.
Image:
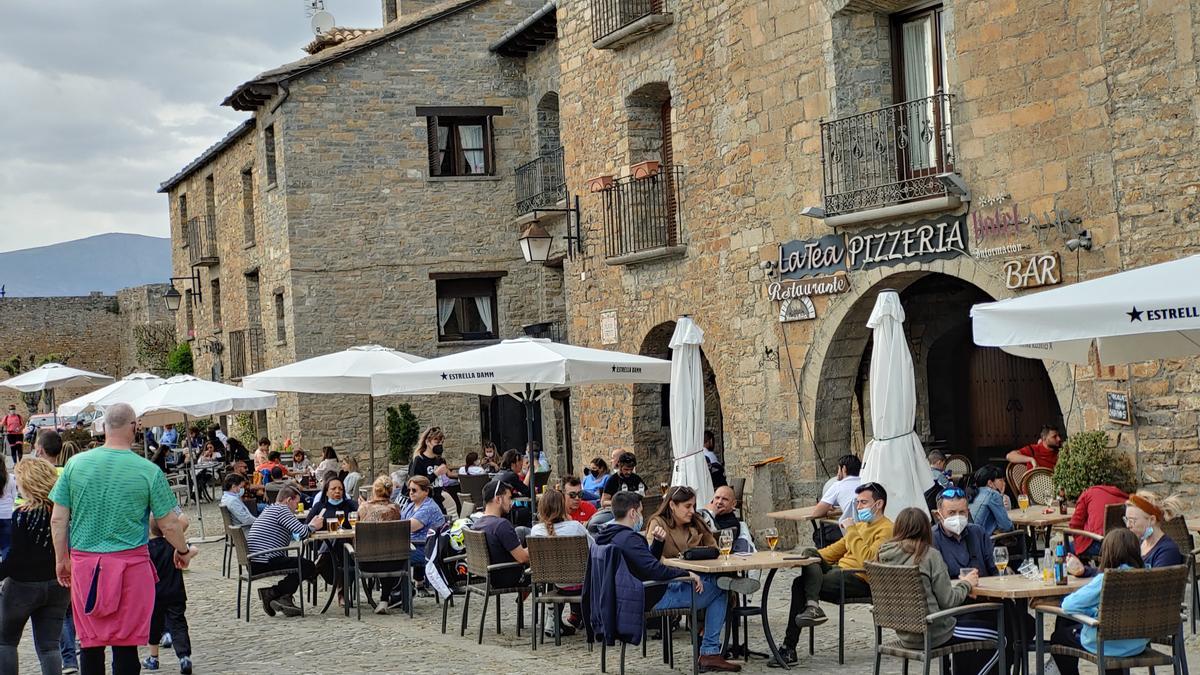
(1087, 460)
(645, 169)
(600, 183)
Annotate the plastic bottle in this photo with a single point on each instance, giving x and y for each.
(1047, 567)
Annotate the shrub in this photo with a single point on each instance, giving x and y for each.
(403, 430)
(1086, 460)
(179, 361)
(244, 430)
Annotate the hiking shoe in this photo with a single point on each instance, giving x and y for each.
(787, 654)
(185, 665)
(165, 641)
(739, 585)
(150, 663)
(264, 594)
(811, 616)
(285, 605)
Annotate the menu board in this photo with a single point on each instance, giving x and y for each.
(1120, 409)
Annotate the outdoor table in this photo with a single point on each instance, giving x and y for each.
(1019, 591)
(1034, 516)
(806, 514)
(773, 561)
(313, 542)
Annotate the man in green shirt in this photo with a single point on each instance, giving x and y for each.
(100, 526)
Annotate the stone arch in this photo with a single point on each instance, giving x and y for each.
(548, 136)
(831, 373)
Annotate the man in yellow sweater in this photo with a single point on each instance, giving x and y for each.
(821, 582)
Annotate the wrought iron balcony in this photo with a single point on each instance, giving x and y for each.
(616, 23)
(202, 241)
(245, 352)
(642, 214)
(541, 183)
(550, 330)
(887, 156)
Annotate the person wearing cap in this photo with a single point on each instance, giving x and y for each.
(12, 425)
(624, 480)
(503, 542)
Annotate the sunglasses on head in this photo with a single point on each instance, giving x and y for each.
(953, 493)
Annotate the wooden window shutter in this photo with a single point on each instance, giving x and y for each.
(668, 162)
(668, 154)
(489, 146)
(431, 131)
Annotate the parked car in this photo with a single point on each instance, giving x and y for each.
(46, 421)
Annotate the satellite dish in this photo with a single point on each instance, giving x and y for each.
(322, 22)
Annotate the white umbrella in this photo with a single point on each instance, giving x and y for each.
(344, 372)
(184, 396)
(122, 391)
(894, 458)
(687, 411)
(1142, 314)
(524, 368)
(52, 376)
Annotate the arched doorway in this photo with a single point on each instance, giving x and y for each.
(976, 401)
(651, 409)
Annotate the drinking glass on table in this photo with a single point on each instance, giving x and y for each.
(1000, 557)
(771, 535)
(336, 521)
(353, 519)
(964, 572)
(1023, 500)
(725, 543)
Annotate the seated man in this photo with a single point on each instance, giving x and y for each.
(821, 582)
(623, 480)
(578, 509)
(272, 463)
(838, 495)
(719, 515)
(1044, 453)
(504, 545)
(625, 533)
(716, 470)
(1089, 516)
(937, 469)
(275, 528)
(233, 488)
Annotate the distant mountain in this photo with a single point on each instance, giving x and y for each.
(105, 262)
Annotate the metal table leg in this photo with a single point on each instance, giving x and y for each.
(766, 623)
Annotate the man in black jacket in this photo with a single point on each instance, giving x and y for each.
(625, 533)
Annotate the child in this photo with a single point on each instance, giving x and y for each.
(170, 601)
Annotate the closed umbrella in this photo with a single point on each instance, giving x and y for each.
(122, 391)
(344, 372)
(687, 411)
(51, 376)
(524, 368)
(894, 458)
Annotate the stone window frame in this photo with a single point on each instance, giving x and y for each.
(280, 311)
(456, 116)
(270, 150)
(249, 228)
(467, 285)
(189, 325)
(214, 285)
(181, 201)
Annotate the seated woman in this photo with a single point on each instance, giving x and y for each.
(329, 461)
(555, 521)
(912, 544)
(424, 517)
(512, 465)
(1089, 516)
(1119, 550)
(378, 509)
(594, 479)
(987, 506)
(333, 501)
(471, 466)
(300, 463)
(684, 529)
(490, 460)
(1145, 512)
(350, 475)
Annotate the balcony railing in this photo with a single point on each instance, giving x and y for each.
(202, 241)
(887, 156)
(642, 214)
(541, 183)
(245, 352)
(636, 17)
(550, 330)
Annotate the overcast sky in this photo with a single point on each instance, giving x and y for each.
(102, 100)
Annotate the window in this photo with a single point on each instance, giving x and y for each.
(460, 140)
(210, 195)
(189, 314)
(466, 309)
(269, 148)
(216, 303)
(280, 323)
(919, 60)
(248, 205)
(253, 308)
(183, 221)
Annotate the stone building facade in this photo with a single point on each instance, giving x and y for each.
(367, 227)
(1055, 117)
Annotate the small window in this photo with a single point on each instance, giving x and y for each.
(210, 195)
(216, 303)
(248, 205)
(189, 314)
(460, 144)
(466, 309)
(269, 148)
(280, 323)
(183, 221)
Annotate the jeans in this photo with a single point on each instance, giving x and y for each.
(712, 599)
(43, 602)
(67, 642)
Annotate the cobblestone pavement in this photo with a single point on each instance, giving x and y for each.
(333, 643)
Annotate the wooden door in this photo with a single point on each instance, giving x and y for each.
(1009, 399)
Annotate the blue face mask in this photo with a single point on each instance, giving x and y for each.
(334, 502)
(637, 524)
(865, 515)
(1148, 533)
(240, 492)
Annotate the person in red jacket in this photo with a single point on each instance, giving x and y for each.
(1089, 516)
(1044, 453)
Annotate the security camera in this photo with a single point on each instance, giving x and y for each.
(767, 264)
(1083, 240)
(813, 212)
(955, 185)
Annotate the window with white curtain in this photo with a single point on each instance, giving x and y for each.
(464, 146)
(919, 56)
(466, 309)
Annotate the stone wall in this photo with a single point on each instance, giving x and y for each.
(141, 307)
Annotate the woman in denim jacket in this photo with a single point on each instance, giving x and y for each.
(987, 506)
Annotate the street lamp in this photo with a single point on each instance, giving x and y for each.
(172, 296)
(535, 243)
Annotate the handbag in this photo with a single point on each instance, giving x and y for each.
(701, 553)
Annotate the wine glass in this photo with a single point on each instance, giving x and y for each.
(1000, 556)
(771, 535)
(353, 519)
(725, 543)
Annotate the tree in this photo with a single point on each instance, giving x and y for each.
(403, 430)
(179, 361)
(154, 343)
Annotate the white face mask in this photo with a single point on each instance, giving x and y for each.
(955, 524)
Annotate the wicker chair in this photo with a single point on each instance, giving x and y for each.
(1178, 531)
(479, 569)
(1015, 474)
(385, 542)
(1134, 603)
(554, 561)
(900, 604)
(1114, 515)
(663, 616)
(244, 557)
(1039, 485)
(473, 487)
(959, 465)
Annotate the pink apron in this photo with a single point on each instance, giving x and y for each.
(112, 597)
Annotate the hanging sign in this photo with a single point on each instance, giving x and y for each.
(925, 241)
(797, 309)
(1119, 409)
(1042, 269)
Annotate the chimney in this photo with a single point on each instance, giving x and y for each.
(391, 11)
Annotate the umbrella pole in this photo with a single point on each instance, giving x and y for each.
(195, 480)
(529, 448)
(371, 432)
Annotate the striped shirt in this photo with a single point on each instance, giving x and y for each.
(275, 527)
